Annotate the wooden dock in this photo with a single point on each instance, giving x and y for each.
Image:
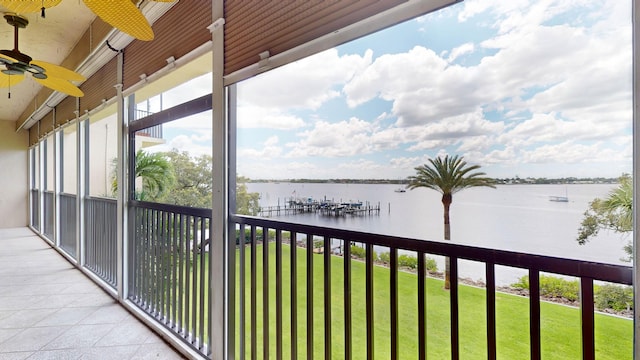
(324, 207)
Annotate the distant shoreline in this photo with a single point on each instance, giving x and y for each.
(498, 181)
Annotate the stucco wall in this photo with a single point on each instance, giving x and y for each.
(13, 176)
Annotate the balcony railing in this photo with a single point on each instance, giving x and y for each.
(168, 268)
(101, 237)
(152, 131)
(258, 279)
(48, 213)
(68, 220)
(294, 295)
(35, 209)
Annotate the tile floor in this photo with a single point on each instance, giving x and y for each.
(50, 310)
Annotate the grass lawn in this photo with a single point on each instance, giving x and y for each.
(560, 324)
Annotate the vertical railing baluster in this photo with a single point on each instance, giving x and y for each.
(422, 329)
(174, 269)
(147, 260)
(327, 298)
(453, 301)
(194, 284)
(202, 288)
(254, 298)
(491, 310)
(241, 296)
(393, 291)
(181, 273)
(534, 313)
(369, 300)
(587, 310)
(294, 294)
(188, 274)
(156, 263)
(265, 293)
(279, 294)
(162, 271)
(309, 297)
(346, 255)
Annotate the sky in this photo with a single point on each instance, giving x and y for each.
(521, 88)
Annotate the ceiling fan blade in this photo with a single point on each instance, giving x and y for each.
(10, 80)
(57, 71)
(28, 6)
(122, 15)
(61, 85)
(4, 59)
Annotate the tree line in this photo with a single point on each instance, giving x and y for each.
(177, 178)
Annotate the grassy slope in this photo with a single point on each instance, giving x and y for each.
(560, 324)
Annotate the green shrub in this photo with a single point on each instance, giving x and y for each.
(408, 261)
(613, 297)
(523, 283)
(357, 251)
(552, 287)
(247, 236)
(430, 264)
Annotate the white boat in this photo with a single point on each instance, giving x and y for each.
(559, 198)
(400, 190)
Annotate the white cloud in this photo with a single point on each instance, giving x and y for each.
(466, 48)
(549, 93)
(269, 118)
(344, 138)
(307, 83)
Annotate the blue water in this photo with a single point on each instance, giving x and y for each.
(510, 217)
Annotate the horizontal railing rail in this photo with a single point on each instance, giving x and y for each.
(101, 216)
(168, 268)
(263, 278)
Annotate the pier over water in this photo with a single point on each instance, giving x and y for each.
(326, 207)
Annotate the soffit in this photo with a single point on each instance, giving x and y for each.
(50, 39)
(254, 27)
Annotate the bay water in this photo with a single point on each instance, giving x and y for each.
(511, 217)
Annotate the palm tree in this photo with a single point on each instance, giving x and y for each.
(156, 173)
(447, 176)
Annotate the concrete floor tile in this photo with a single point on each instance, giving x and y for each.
(109, 352)
(6, 334)
(21, 355)
(65, 316)
(66, 354)
(107, 314)
(25, 318)
(32, 339)
(128, 333)
(51, 310)
(99, 298)
(156, 352)
(79, 336)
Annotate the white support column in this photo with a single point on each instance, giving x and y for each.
(123, 132)
(218, 251)
(56, 182)
(635, 10)
(79, 191)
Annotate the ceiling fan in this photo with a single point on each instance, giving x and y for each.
(16, 64)
(123, 15)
